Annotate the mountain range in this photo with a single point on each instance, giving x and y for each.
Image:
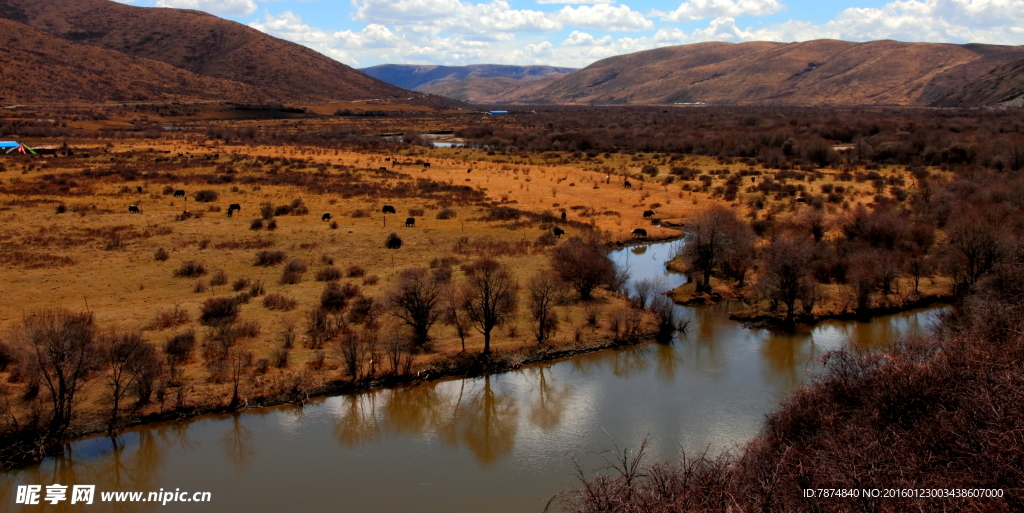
(148, 54)
(81, 51)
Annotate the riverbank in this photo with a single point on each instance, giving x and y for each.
(29, 448)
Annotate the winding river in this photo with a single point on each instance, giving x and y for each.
(498, 443)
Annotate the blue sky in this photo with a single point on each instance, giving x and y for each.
(576, 33)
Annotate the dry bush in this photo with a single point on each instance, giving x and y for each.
(170, 318)
(370, 280)
(290, 278)
(205, 196)
(360, 213)
(279, 302)
(355, 271)
(333, 298)
(199, 287)
(393, 241)
(240, 284)
(218, 278)
(447, 213)
(256, 224)
(281, 359)
(328, 274)
(416, 212)
(161, 255)
(219, 311)
(296, 265)
(190, 269)
(269, 258)
(256, 289)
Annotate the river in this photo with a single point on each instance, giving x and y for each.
(499, 443)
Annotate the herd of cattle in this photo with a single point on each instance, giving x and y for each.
(389, 209)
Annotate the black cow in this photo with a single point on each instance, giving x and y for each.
(627, 185)
(426, 164)
(563, 216)
(639, 232)
(233, 207)
(470, 170)
(134, 209)
(388, 209)
(139, 189)
(410, 222)
(382, 168)
(558, 232)
(326, 216)
(387, 159)
(180, 193)
(649, 214)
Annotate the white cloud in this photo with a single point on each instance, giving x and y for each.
(575, 1)
(691, 10)
(494, 20)
(217, 7)
(604, 17)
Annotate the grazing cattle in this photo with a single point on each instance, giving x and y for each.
(180, 193)
(426, 164)
(139, 189)
(326, 216)
(470, 170)
(410, 222)
(649, 214)
(801, 200)
(388, 209)
(558, 232)
(563, 216)
(134, 209)
(233, 207)
(387, 159)
(627, 185)
(639, 232)
(382, 168)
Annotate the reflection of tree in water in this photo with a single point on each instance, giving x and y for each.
(415, 409)
(358, 422)
(237, 444)
(787, 355)
(125, 466)
(546, 411)
(630, 361)
(667, 359)
(490, 424)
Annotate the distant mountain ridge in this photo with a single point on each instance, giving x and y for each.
(820, 72)
(418, 77)
(208, 46)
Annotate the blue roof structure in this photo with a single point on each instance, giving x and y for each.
(9, 144)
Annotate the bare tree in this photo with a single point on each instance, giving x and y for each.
(453, 315)
(645, 289)
(490, 297)
(63, 352)
(238, 363)
(978, 243)
(785, 272)
(583, 265)
(546, 290)
(717, 236)
(122, 353)
(416, 300)
(396, 350)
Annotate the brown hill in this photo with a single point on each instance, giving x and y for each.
(38, 68)
(206, 45)
(481, 90)
(1002, 86)
(821, 72)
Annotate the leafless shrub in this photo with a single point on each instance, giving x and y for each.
(240, 284)
(218, 278)
(360, 213)
(370, 280)
(281, 358)
(171, 318)
(446, 213)
(161, 255)
(218, 311)
(328, 274)
(269, 258)
(190, 269)
(355, 271)
(256, 289)
(290, 277)
(279, 302)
